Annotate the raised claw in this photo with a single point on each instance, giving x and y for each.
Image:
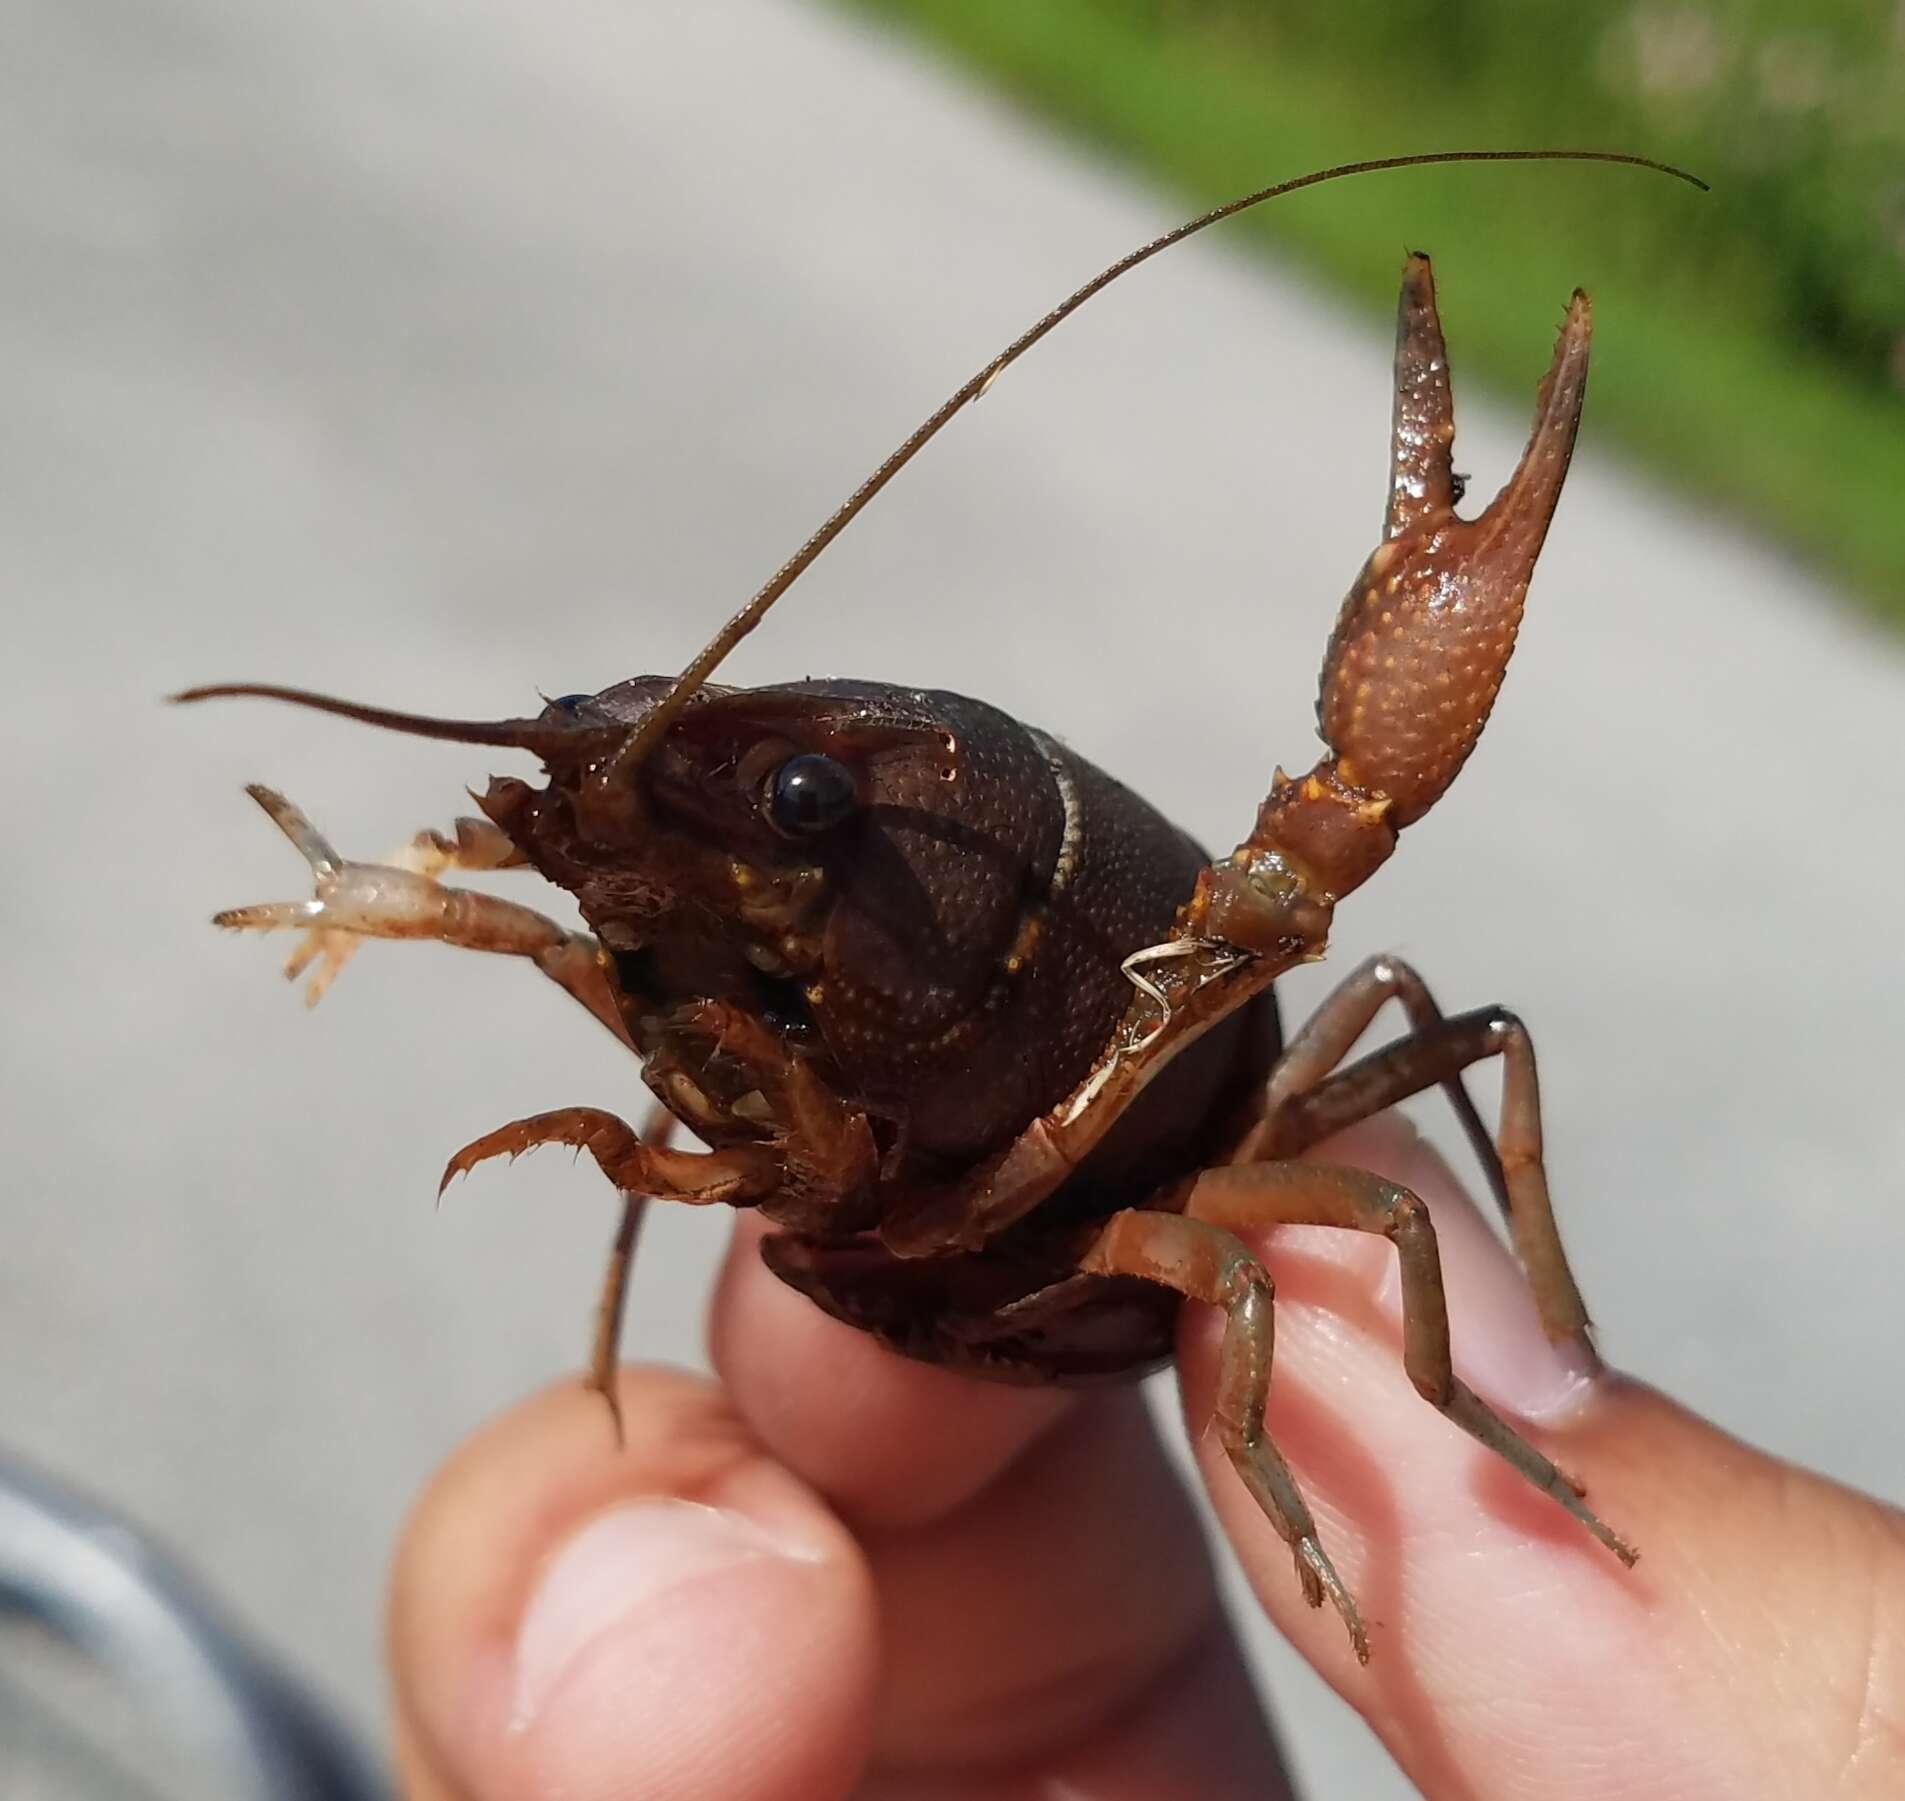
(1421, 643)
(1425, 634)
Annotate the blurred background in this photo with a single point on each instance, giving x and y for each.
(437, 354)
(1764, 367)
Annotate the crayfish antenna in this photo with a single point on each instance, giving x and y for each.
(613, 784)
(1424, 637)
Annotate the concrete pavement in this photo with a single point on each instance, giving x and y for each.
(435, 354)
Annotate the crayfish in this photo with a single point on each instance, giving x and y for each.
(992, 1044)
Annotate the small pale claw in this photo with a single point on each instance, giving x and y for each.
(398, 896)
(269, 916)
(290, 819)
(331, 947)
(330, 943)
(328, 946)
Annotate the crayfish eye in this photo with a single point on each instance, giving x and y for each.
(811, 793)
(570, 703)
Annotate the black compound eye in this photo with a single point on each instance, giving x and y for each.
(571, 703)
(809, 793)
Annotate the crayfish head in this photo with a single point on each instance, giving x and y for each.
(716, 849)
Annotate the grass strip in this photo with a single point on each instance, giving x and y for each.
(1692, 375)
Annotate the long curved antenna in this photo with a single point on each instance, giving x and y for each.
(615, 772)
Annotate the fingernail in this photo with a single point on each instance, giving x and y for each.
(1495, 1334)
(614, 1569)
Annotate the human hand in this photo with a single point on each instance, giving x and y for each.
(839, 1572)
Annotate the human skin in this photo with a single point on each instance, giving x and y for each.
(833, 1572)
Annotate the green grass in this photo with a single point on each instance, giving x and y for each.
(1741, 342)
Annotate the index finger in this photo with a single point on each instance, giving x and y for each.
(1042, 1576)
(1757, 1648)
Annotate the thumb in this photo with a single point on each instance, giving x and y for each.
(682, 1617)
(1758, 1647)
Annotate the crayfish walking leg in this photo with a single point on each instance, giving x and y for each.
(1310, 1096)
(1206, 1263)
(1250, 1197)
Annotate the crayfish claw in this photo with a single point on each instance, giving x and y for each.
(268, 916)
(1422, 480)
(329, 947)
(1424, 637)
(292, 820)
